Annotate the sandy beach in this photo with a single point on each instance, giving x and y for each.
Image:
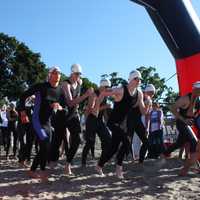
(141, 182)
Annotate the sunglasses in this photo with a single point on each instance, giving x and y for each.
(55, 72)
(137, 79)
(77, 74)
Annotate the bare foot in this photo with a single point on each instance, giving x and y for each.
(7, 158)
(183, 172)
(99, 170)
(68, 170)
(23, 164)
(33, 174)
(44, 176)
(196, 170)
(119, 172)
(53, 165)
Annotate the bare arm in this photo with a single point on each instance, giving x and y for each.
(143, 108)
(31, 91)
(91, 104)
(147, 121)
(191, 110)
(180, 103)
(116, 93)
(68, 96)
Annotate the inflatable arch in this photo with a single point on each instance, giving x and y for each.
(179, 26)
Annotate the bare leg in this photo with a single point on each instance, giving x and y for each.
(190, 161)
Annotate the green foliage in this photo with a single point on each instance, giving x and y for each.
(164, 94)
(114, 79)
(2, 102)
(63, 77)
(19, 67)
(87, 84)
(169, 98)
(149, 76)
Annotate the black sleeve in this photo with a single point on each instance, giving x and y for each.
(1, 121)
(31, 91)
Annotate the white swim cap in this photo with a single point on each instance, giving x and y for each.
(134, 74)
(105, 82)
(150, 88)
(55, 68)
(76, 68)
(196, 84)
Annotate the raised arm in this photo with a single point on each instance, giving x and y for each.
(143, 108)
(182, 102)
(68, 95)
(25, 95)
(116, 93)
(31, 91)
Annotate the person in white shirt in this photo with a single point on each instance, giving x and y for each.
(4, 124)
(156, 121)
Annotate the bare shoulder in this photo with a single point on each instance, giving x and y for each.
(65, 85)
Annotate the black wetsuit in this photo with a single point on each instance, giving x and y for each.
(26, 136)
(184, 133)
(95, 125)
(68, 118)
(134, 124)
(45, 96)
(119, 136)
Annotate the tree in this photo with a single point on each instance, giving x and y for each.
(19, 67)
(164, 94)
(87, 84)
(114, 79)
(169, 98)
(150, 76)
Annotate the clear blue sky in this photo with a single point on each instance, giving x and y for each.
(104, 36)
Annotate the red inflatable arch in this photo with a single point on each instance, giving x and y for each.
(179, 26)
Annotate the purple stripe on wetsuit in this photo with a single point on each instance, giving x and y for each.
(35, 119)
